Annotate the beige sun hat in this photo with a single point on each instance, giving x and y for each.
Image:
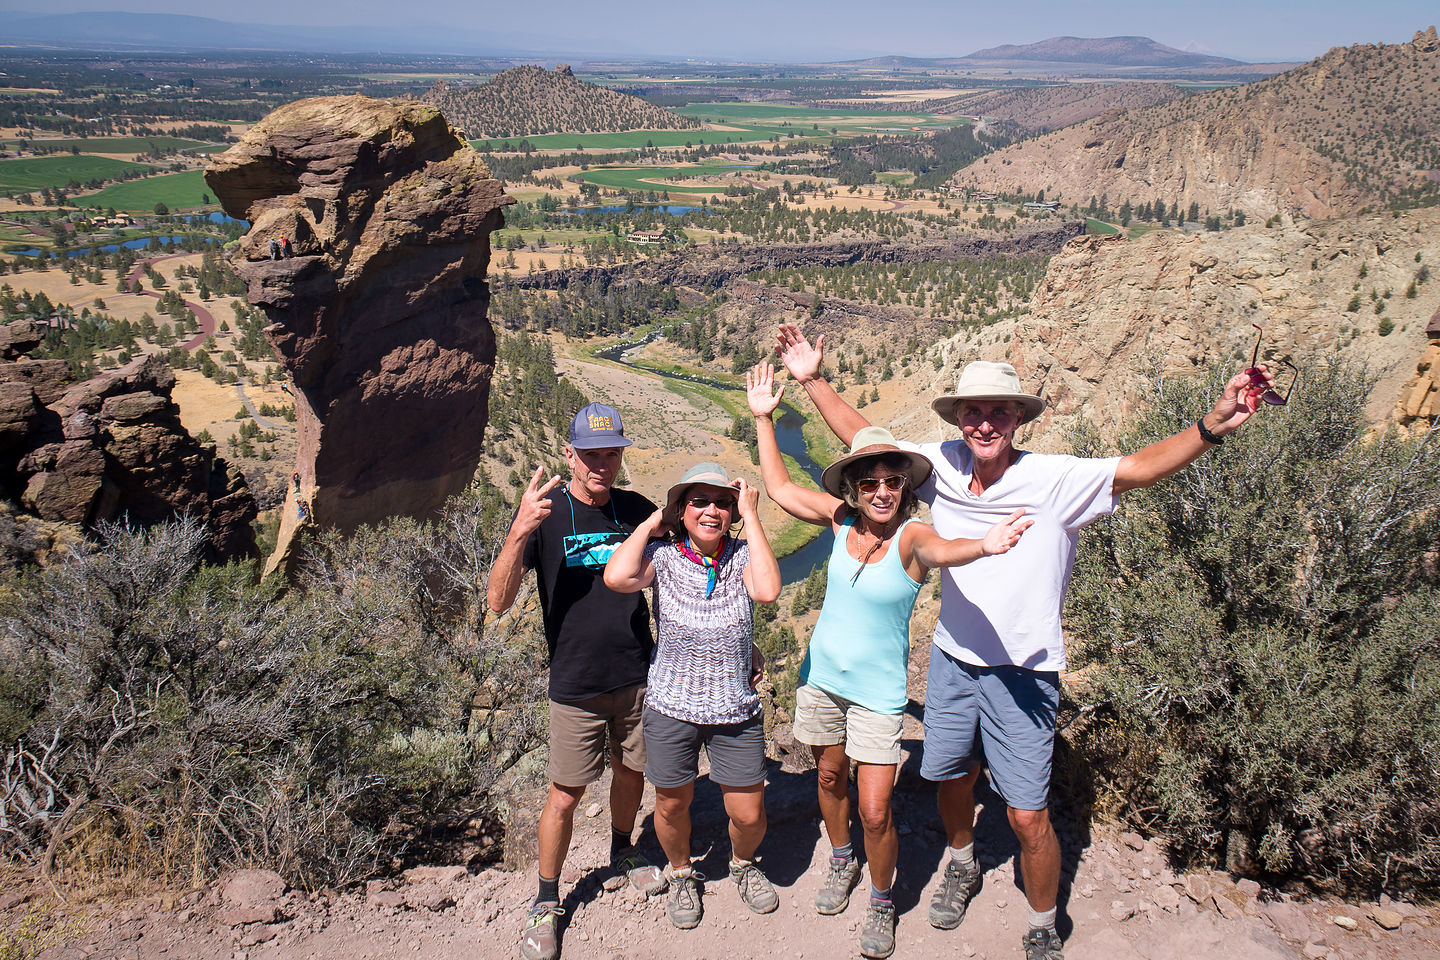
(870, 442)
(709, 474)
(986, 380)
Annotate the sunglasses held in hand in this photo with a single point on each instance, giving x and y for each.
(1257, 376)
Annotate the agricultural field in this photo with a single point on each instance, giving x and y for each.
(178, 191)
(655, 178)
(39, 173)
(110, 145)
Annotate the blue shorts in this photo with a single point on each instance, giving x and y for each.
(1008, 712)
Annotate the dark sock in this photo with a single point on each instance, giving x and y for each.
(846, 852)
(619, 843)
(549, 891)
(881, 895)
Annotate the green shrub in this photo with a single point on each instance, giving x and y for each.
(1261, 647)
(175, 719)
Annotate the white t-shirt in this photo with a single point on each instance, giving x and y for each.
(1006, 610)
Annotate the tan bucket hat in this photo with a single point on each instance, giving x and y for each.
(709, 474)
(869, 442)
(986, 380)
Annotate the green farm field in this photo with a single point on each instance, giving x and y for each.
(36, 173)
(104, 145)
(1099, 227)
(178, 191)
(654, 178)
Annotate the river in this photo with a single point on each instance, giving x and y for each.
(789, 434)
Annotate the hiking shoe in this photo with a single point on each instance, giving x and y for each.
(841, 875)
(538, 939)
(1042, 944)
(957, 888)
(877, 937)
(643, 875)
(684, 907)
(755, 888)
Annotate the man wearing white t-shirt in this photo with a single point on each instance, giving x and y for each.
(994, 669)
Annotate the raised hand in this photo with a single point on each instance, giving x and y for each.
(760, 390)
(747, 497)
(1004, 535)
(801, 360)
(655, 525)
(534, 505)
(1240, 399)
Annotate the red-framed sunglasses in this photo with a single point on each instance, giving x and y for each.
(1257, 376)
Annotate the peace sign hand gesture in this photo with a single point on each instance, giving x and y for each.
(534, 503)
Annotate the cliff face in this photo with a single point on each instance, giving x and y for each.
(1108, 309)
(380, 316)
(110, 448)
(1354, 127)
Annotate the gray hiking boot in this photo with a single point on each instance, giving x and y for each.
(755, 888)
(877, 937)
(957, 888)
(643, 875)
(684, 907)
(538, 940)
(840, 878)
(1042, 944)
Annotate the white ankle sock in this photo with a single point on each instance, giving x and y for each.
(965, 855)
(1042, 921)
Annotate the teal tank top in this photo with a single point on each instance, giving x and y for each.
(860, 646)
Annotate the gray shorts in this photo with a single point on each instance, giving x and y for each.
(1008, 711)
(672, 751)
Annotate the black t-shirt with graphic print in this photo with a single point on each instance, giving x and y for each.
(599, 640)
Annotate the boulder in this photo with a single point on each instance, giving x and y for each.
(379, 318)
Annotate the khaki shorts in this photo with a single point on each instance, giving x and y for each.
(577, 735)
(822, 719)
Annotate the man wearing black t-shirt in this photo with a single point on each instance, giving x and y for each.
(599, 643)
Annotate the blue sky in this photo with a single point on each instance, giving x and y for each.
(807, 29)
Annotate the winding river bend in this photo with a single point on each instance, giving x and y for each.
(789, 433)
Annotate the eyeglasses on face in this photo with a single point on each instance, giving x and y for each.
(1257, 377)
(870, 484)
(700, 502)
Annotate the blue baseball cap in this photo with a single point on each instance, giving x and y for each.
(596, 427)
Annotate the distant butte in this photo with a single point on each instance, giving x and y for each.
(379, 317)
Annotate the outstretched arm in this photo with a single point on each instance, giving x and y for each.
(932, 550)
(812, 506)
(1150, 465)
(803, 363)
(509, 567)
(627, 570)
(762, 573)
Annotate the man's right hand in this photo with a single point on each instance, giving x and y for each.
(802, 361)
(534, 503)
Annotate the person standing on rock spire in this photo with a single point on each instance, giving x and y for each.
(993, 685)
(599, 643)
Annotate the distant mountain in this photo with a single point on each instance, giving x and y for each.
(527, 101)
(1041, 109)
(1353, 128)
(1109, 51)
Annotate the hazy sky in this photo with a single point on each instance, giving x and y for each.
(813, 29)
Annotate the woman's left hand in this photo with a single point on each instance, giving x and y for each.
(757, 667)
(747, 497)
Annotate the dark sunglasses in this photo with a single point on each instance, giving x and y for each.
(700, 502)
(1257, 377)
(870, 484)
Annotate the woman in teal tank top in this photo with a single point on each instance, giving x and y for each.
(852, 694)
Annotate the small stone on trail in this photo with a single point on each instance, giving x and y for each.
(1121, 911)
(1315, 950)
(613, 883)
(593, 810)
(1133, 840)
(1250, 888)
(1388, 919)
(1340, 920)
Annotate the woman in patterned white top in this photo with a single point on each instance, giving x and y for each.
(701, 687)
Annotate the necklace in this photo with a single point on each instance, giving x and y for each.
(865, 560)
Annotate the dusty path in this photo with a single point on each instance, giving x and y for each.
(202, 315)
(264, 422)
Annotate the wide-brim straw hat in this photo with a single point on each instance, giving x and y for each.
(986, 380)
(708, 474)
(872, 442)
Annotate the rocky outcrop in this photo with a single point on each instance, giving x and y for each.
(713, 267)
(1419, 403)
(112, 448)
(1354, 127)
(379, 318)
(1110, 312)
